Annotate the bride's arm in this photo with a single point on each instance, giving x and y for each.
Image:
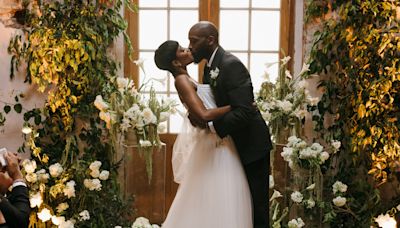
(194, 103)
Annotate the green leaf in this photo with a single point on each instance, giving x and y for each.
(7, 109)
(18, 108)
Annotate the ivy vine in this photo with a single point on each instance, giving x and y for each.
(66, 50)
(357, 53)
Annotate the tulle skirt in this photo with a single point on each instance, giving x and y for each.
(213, 190)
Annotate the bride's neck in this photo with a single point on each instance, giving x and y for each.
(180, 70)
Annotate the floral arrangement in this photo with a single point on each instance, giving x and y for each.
(52, 191)
(128, 112)
(284, 104)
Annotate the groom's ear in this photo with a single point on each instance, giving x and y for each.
(211, 40)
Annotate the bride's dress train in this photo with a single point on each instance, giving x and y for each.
(213, 191)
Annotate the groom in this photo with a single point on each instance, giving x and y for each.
(231, 84)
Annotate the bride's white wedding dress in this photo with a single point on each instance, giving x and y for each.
(213, 191)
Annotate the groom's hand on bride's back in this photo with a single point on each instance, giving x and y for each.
(197, 122)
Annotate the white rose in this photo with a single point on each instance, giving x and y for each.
(266, 115)
(84, 215)
(42, 176)
(100, 104)
(310, 203)
(56, 170)
(104, 175)
(29, 166)
(287, 153)
(62, 207)
(67, 224)
(26, 130)
(149, 116)
(57, 220)
(297, 197)
(286, 106)
(44, 215)
(36, 200)
(296, 223)
(339, 201)
(385, 221)
(323, 157)
(95, 165)
(95, 173)
(140, 222)
(317, 147)
(31, 177)
(338, 186)
(106, 117)
(69, 189)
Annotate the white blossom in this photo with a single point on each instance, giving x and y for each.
(214, 73)
(275, 195)
(44, 215)
(42, 176)
(323, 157)
(149, 116)
(36, 200)
(339, 201)
(297, 197)
(304, 69)
(92, 184)
(95, 165)
(338, 186)
(69, 189)
(285, 60)
(100, 104)
(67, 224)
(26, 130)
(84, 215)
(310, 203)
(288, 74)
(336, 145)
(104, 175)
(56, 169)
(62, 207)
(140, 222)
(313, 101)
(29, 166)
(57, 220)
(95, 173)
(296, 223)
(386, 221)
(311, 187)
(31, 177)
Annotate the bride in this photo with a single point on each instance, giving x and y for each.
(213, 190)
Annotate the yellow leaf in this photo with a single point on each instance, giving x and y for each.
(361, 111)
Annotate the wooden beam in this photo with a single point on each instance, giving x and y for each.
(130, 68)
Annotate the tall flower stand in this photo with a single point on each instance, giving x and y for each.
(149, 198)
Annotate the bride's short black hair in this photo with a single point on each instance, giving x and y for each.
(165, 54)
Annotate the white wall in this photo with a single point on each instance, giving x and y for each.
(11, 136)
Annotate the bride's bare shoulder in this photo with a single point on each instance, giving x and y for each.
(184, 79)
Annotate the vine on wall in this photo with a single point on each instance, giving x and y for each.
(66, 48)
(357, 50)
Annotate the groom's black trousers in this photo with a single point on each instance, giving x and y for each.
(258, 177)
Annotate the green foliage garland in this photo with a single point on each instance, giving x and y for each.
(65, 46)
(358, 52)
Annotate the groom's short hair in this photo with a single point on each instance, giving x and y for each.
(165, 54)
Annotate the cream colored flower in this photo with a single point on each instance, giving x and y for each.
(26, 130)
(36, 200)
(297, 197)
(31, 177)
(310, 203)
(69, 189)
(145, 143)
(95, 173)
(104, 175)
(304, 69)
(338, 186)
(149, 116)
(339, 201)
(386, 221)
(271, 182)
(57, 220)
(275, 195)
(311, 187)
(296, 223)
(100, 104)
(323, 157)
(29, 166)
(44, 215)
(62, 207)
(84, 215)
(56, 170)
(285, 60)
(95, 165)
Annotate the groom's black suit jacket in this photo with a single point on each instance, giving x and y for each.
(244, 122)
(16, 208)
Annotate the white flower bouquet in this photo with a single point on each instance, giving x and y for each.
(126, 112)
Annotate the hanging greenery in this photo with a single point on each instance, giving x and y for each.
(66, 50)
(357, 52)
